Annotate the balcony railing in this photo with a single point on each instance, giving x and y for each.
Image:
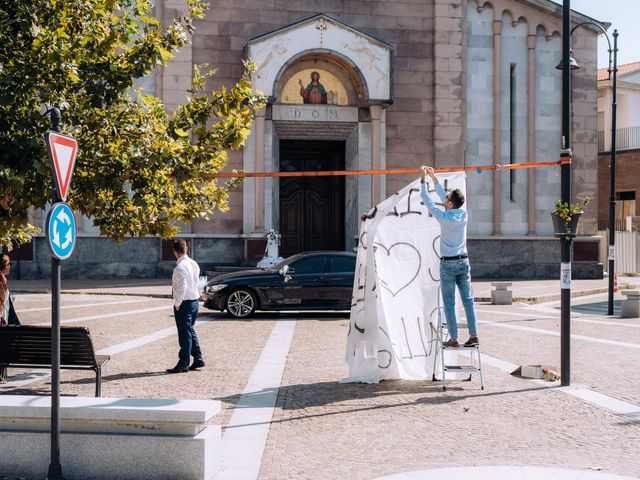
(626, 139)
(621, 224)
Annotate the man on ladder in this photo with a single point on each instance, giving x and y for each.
(454, 267)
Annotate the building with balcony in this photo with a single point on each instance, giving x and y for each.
(627, 146)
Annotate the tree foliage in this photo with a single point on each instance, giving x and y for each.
(139, 170)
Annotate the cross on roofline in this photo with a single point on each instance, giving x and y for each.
(321, 27)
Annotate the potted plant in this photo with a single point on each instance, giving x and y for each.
(566, 217)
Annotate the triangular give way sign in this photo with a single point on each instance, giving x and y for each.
(62, 153)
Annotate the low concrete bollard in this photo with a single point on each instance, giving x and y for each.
(112, 438)
(631, 305)
(501, 295)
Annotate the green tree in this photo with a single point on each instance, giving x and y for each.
(139, 169)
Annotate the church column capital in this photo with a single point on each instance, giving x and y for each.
(497, 27)
(375, 111)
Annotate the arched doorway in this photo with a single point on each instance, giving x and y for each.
(327, 85)
(312, 209)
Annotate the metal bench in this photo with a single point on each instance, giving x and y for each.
(27, 346)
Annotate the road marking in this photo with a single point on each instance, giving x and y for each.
(619, 324)
(36, 375)
(79, 305)
(159, 283)
(138, 342)
(111, 315)
(516, 314)
(576, 390)
(605, 401)
(502, 473)
(17, 381)
(573, 319)
(32, 376)
(557, 334)
(246, 434)
(499, 363)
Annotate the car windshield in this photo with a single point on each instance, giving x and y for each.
(286, 261)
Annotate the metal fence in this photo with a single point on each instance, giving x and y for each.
(626, 139)
(627, 252)
(621, 224)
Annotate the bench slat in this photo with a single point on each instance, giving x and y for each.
(31, 344)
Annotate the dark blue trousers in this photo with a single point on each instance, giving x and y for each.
(188, 339)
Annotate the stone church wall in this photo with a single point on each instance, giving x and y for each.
(407, 25)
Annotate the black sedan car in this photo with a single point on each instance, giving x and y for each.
(306, 281)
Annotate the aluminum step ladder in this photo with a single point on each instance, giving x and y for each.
(441, 334)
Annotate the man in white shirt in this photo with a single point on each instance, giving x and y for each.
(185, 308)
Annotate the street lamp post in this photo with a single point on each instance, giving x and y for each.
(613, 72)
(567, 64)
(565, 195)
(612, 172)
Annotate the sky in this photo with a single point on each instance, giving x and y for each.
(623, 15)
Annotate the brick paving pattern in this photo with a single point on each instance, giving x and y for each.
(323, 429)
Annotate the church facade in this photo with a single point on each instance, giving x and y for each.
(358, 84)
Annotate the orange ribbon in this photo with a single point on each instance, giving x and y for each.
(392, 171)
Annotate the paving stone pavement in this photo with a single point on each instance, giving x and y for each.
(322, 429)
(367, 431)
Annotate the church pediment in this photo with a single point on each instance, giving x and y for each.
(370, 57)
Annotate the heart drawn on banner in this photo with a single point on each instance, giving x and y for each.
(409, 257)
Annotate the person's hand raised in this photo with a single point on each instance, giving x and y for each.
(424, 170)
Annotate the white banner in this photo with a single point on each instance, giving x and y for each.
(394, 313)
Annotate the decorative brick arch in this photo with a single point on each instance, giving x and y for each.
(539, 13)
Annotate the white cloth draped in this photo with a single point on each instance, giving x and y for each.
(396, 293)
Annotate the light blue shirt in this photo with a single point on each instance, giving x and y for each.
(453, 224)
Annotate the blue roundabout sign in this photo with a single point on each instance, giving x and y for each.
(61, 231)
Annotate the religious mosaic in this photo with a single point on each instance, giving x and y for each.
(315, 87)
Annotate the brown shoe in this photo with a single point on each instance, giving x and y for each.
(451, 343)
(472, 342)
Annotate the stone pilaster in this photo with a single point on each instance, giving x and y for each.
(531, 134)
(259, 126)
(497, 128)
(375, 111)
(449, 93)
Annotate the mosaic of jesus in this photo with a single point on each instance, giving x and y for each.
(314, 93)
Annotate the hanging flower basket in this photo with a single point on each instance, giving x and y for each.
(566, 218)
(563, 229)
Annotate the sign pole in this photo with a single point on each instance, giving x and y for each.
(55, 468)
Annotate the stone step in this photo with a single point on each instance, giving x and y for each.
(112, 438)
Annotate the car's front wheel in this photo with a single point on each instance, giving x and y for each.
(241, 303)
